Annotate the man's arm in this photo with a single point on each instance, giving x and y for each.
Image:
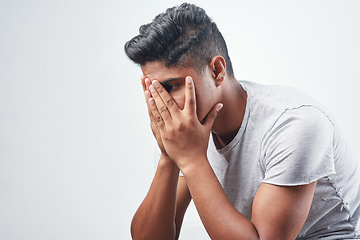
(278, 212)
(183, 199)
(160, 214)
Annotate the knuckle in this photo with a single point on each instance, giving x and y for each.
(153, 108)
(192, 101)
(169, 102)
(191, 121)
(181, 126)
(154, 94)
(162, 109)
(158, 119)
(160, 90)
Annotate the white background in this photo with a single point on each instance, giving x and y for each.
(75, 144)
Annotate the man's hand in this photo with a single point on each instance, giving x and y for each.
(184, 138)
(154, 128)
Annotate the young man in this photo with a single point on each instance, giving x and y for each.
(260, 162)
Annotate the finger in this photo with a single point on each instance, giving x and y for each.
(159, 104)
(166, 98)
(155, 113)
(147, 97)
(143, 82)
(210, 118)
(190, 98)
(147, 83)
(147, 94)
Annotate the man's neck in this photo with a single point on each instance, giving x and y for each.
(229, 119)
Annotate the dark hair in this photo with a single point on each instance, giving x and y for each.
(181, 36)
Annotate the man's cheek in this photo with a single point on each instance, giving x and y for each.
(180, 101)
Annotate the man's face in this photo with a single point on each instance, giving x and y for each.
(173, 80)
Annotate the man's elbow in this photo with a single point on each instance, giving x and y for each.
(148, 232)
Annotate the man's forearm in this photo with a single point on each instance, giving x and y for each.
(220, 218)
(155, 217)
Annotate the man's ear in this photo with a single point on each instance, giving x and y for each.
(218, 68)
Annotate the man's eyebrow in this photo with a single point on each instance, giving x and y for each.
(167, 81)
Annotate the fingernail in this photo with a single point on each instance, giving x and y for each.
(151, 101)
(147, 94)
(219, 107)
(152, 89)
(156, 84)
(188, 79)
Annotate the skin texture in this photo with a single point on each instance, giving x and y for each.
(182, 119)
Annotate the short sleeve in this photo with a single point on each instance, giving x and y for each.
(298, 149)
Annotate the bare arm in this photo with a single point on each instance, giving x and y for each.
(156, 214)
(278, 212)
(182, 202)
(160, 215)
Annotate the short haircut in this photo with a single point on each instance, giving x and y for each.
(183, 36)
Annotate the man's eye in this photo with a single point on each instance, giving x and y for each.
(170, 88)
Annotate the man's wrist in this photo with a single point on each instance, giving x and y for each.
(165, 156)
(193, 164)
(166, 163)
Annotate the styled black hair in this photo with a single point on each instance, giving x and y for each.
(183, 36)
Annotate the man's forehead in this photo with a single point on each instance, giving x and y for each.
(158, 71)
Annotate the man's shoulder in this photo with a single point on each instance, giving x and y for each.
(270, 104)
(281, 94)
(277, 98)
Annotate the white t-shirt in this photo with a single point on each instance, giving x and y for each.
(288, 139)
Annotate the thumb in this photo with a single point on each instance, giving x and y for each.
(210, 118)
